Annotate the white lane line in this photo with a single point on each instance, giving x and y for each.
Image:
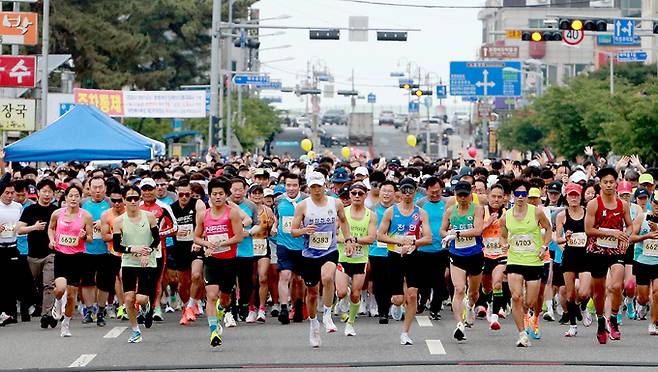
(83, 360)
(435, 347)
(115, 332)
(424, 321)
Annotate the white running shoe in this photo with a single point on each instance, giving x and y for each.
(229, 321)
(494, 324)
(314, 333)
(396, 312)
(261, 316)
(329, 325)
(470, 317)
(65, 330)
(349, 329)
(587, 318)
(572, 332)
(363, 309)
(373, 311)
(652, 329)
(405, 340)
(523, 340)
(251, 317)
(549, 316)
(459, 333)
(111, 311)
(56, 312)
(169, 309)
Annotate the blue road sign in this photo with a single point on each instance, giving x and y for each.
(406, 81)
(469, 99)
(485, 78)
(270, 85)
(372, 98)
(441, 91)
(250, 79)
(65, 107)
(397, 74)
(176, 124)
(414, 106)
(608, 40)
(323, 77)
(427, 102)
(638, 56)
(624, 32)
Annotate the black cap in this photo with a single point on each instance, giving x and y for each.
(394, 161)
(255, 187)
(462, 188)
(344, 190)
(408, 182)
(641, 192)
(555, 186)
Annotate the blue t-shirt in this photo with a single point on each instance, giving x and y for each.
(246, 246)
(379, 249)
(98, 245)
(285, 211)
(21, 240)
(435, 211)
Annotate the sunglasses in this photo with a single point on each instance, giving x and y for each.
(119, 200)
(132, 198)
(357, 193)
(148, 188)
(184, 194)
(520, 194)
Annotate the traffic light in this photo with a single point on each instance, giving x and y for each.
(420, 92)
(655, 27)
(391, 36)
(541, 36)
(597, 25)
(347, 93)
(304, 91)
(328, 34)
(409, 86)
(249, 43)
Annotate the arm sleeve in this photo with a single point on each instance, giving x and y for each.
(116, 242)
(155, 233)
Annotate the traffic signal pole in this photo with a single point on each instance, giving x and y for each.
(215, 61)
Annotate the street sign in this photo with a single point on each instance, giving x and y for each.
(19, 28)
(276, 85)
(372, 98)
(624, 32)
(499, 52)
(17, 114)
(639, 56)
(406, 81)
(397, 74)
(469, 99)
(608, 40)
(441, 91)
(18, 71)
(573, 37)
(485, 78)
(65, 107)
(250, 79)
(414, 106)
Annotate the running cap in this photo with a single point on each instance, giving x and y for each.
(578, 176)
(147, 182)
(624, 187)
(315, 178)
(574, 188)
(645, 178)
(534, 193)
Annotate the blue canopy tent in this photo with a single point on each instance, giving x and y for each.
(85, 133)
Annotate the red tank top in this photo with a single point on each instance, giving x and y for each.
(612, 219)
(220, 229)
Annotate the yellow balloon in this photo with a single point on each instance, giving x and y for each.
(306, 144)
(411, 140)
(345, 151)
(311, 154)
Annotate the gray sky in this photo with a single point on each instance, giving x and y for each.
(447, 35)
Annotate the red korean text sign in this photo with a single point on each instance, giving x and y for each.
(18, 71)
(108, 101)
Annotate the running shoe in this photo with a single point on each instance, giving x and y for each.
(251, 317)
(100, 319)
(630, 308)
(435, 315)
(502, 314)
(405, 339)
(261, 316)
(110, 310)
(229, 320)
(494, 324)
(157, 314)
(349, 329)
(344, 317)
(373, 310)
(121, 313)
(215, 338)
(6, 320)
(641, 313)
(614, 332)
(183, 319)
(65, 330)
(564, 319)
(652, 329)
(383, 319)
(274, 313)
(148, 317)
(314, 334)
(329, 325)
(534, 331)
(620, 318)
(48, 320)
(363, 310)
(169, 309)
(297, 314)
(87, 316)
(586, 318)
(283, 317)
(459, 334)
(135, 338)
(190, 314)
(396, 312)
(470, 317)
(481, 312)
(602, 337)
(56, 312)
(523, 340)
(549, 316)
(572, 332)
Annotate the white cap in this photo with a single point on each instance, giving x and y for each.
(486, 162)
(268, 192)
(578, 176)
(534, 163)
(147, 182)
(492, 180)
(361, 171)
(315, 178)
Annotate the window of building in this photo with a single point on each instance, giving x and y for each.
(536, 23)
(631, 8)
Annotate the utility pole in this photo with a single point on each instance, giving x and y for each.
(229, 53)
(239, 88)
(215, 67)
(44, 68)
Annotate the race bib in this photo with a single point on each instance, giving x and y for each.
(68, 240)
(287, 224)
(523, 243)
(492, 247)
(650, 248)
(382, 245)
(97, 234)
(320, 240)
(577, 240)
(464, 242)
(215, 240)
(8, 232)
(260, 247)
(358, 251)
(185, 233)
(608, 241)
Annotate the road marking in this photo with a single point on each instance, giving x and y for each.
(435, 347)
(115, 332)
(424, 321)
(83, 360)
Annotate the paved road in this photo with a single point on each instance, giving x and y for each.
(168, 346)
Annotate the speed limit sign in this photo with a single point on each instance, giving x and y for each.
(573, 37)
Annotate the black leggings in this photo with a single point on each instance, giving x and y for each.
(245, 272)
(433, 274)
(379, 277)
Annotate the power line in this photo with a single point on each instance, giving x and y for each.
(427, 6)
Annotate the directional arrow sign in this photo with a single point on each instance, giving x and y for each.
(624, 32)
(485, 78)
(372, 98)
(632, 56)
(270, 85)
(250, 79)
(441, 92)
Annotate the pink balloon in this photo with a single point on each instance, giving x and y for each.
(472, 152)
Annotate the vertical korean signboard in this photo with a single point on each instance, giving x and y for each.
(19, 28)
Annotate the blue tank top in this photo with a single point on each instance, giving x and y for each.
(402, 225)
(379, 249)
(435, 213)
(98, 245)
(323, 241)
(285, 211)
(464, 246)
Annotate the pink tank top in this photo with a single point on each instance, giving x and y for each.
(218, 230)
(67, 234)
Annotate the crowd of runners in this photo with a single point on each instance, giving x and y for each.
(272, 239)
